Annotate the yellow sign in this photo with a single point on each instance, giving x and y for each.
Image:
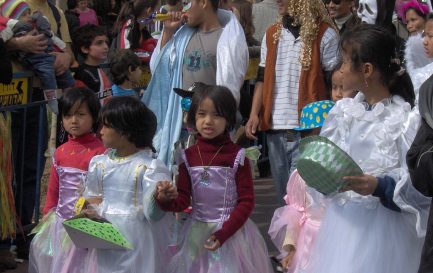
(17, 92)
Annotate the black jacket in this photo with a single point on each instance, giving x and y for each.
(6, 65)
(420, 164)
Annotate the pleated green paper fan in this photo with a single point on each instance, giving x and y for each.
(104, 231)
(322, 164)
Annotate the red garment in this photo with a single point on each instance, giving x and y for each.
(226, 157)
(75, 153)
(3, 22)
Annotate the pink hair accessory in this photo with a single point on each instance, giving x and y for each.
(413, 4)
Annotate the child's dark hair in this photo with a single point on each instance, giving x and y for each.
(222, 98)
(122, 60)
(385, 11)
(429, 17)
(418, 12)
(374, 44)
(85, 35)
(245, 9)
(131, 118)
(72, 4)
(80, 96)
(132, 9)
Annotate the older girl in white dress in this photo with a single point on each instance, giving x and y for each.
(377, 223)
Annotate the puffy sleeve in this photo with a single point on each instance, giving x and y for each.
(156, 171)
(412, 203)
(336, 125)
(94, 179)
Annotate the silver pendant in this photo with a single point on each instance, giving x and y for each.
(204, 178)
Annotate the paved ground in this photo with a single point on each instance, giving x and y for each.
(266, 203)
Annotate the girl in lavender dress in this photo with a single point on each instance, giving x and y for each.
(51, 249)
(218, 237)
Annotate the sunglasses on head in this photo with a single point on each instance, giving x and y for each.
(337, 2)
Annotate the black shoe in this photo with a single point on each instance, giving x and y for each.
(7, 259)
(23, 246)
(276, 264)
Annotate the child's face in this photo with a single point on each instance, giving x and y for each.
(338, 90)
(111, 138)
(428, 38)
(352, 79)
(207, 120)
(98, 51)
(135, 75)
(82, 4)
(26, 17)
(78, 121)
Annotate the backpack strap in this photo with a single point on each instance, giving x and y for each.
(57, 17)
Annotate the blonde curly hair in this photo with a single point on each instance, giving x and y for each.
(308, 14)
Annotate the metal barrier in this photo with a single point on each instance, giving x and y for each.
(16, 98)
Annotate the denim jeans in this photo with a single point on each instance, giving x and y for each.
(283, 152)
(43, 66)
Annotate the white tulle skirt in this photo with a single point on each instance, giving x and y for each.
(357, 237)
(244, 252)
(150, 246)
(53, 251)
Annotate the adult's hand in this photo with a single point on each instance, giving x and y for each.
(29, 43)
(251, 126)
(62, 62)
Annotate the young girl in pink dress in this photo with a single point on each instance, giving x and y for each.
(51, 250)
(87, 15)
(294, 227)
(218, 237)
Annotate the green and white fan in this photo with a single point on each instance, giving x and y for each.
(88, 233)
(322, 164)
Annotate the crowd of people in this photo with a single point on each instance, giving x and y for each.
(158, 160)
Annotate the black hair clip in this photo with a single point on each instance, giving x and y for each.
(190, 91)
